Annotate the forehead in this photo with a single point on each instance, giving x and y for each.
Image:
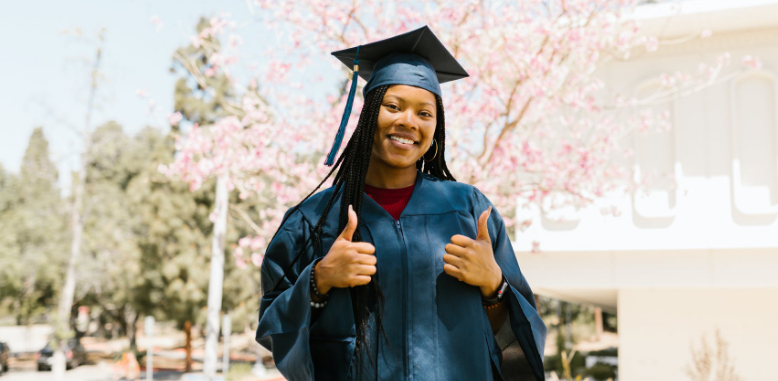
(410, 94)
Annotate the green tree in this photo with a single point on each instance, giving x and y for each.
(32, 223)
(203, 95)
(172, 236)
(110, 276)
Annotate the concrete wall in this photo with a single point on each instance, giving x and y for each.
(679, 262)
(26, 338)
(657, 328)
(722, 149)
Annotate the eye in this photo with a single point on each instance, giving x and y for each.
(392, 106)
(426, 114)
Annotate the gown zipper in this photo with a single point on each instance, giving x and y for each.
(404, 261)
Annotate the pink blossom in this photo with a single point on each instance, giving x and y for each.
(560, 131)
(652, 44)
(175, 118)
(195, 41)
(157, 23)
(235, 40)
(752, 62)
(257, 243)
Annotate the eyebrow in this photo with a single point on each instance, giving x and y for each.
(403, 99)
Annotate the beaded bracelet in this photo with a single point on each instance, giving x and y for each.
(315, 290)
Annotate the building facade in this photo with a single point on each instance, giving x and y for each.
(698, 253)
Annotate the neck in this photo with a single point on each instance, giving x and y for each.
(382, 176)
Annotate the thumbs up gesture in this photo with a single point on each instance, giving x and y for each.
(472, 260)
(348, 263)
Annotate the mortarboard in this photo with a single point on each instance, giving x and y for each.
(416, 58)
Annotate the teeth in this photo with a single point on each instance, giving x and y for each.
(401, 140)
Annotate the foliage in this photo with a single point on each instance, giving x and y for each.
(111, 276)
(711, 362)
(177, 225)
(601, 371)
(239, 371)
(172, 238)
(531, 127)
(32, 226)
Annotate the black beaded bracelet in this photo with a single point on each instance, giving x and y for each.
(315, 290)
(489, 302)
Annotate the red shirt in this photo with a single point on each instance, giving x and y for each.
(392, 200)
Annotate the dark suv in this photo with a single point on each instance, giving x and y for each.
(75, 355)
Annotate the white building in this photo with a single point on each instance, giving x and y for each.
(679, 264)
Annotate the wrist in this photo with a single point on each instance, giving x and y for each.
(321, 281)
(490, 290)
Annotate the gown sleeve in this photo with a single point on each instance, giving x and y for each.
(285, 313)
(522, 344)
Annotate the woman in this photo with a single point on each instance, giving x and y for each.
(415, 277)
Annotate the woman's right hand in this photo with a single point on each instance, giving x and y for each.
(347, 264)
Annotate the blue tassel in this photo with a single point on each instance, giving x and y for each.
(346, 114)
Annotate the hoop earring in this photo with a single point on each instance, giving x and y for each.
(435, 142)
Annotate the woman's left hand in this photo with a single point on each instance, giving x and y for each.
(472, 260)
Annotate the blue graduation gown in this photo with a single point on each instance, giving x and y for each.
(436, 328)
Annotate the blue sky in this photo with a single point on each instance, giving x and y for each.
(45, 77)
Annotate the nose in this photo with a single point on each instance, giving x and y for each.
(408, 119)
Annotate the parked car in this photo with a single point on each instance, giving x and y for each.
(75, 355)
(5, 353)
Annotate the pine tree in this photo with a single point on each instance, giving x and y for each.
(33, 223)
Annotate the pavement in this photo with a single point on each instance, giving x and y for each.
(99, 372)
(102, 372)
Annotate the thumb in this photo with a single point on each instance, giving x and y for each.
(351, 227)
(483, 231)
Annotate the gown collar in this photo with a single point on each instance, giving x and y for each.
(427, 198)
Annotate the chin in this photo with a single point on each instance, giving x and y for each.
(398, 161)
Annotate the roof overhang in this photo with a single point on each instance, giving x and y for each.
(675, 19)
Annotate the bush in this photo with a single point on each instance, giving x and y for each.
(554, 363)
(601, 371)
(239, 371)
(612, 351)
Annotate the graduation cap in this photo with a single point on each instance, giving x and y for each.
(416, 58)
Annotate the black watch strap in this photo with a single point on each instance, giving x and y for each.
(500, 294)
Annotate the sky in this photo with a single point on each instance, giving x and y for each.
(45, 75)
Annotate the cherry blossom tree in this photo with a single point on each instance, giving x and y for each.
(532, 125)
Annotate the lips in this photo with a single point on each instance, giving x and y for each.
(403, 138)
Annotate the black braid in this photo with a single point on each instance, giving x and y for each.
(353, 164)
(437, 166)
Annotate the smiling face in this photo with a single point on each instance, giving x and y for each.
(406, 125)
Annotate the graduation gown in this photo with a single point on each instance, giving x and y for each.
(436, 328)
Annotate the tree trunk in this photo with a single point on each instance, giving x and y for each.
(216, 279)
(132, 327)
(188, 346)
(598, 322)
(66, 300)
(77, 224)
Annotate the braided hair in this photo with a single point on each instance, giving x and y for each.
(352, 168)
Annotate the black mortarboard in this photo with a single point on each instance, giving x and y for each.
(416, 58)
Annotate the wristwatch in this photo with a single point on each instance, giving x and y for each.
(491, 302)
